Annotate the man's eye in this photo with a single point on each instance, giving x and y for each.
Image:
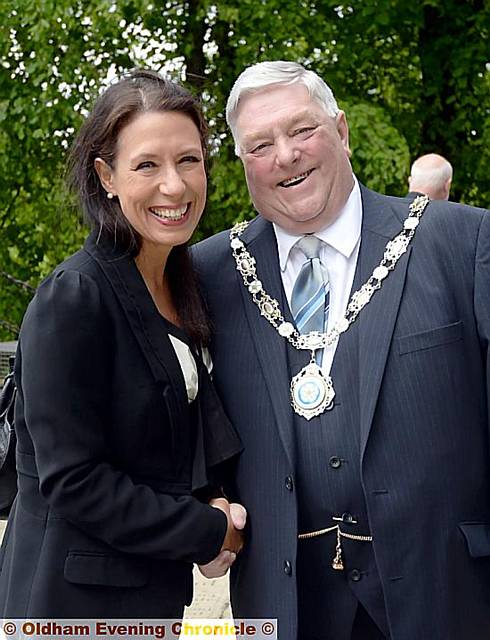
(260, 147)
(147, 164)
(303, 131)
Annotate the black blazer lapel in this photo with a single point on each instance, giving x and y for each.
(260, 239)
(377, 319)
(144, 319)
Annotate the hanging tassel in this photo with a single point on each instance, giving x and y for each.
(337, 563)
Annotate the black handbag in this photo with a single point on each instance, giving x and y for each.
(8, 472)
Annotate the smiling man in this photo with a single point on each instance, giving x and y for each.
(351, 353)
(295, 155)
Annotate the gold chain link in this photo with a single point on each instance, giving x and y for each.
(337, 562)
(353, 537)
(320, 532)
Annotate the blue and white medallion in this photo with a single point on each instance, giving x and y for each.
(311, 392)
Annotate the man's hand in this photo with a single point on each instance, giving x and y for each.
(236, 515)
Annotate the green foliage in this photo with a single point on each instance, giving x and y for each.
(380, 153)
(228, 199)
(411, 76)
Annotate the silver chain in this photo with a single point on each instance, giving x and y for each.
(269, 307)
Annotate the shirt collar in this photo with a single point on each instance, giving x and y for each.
(343, 234)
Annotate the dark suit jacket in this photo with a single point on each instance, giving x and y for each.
(104, 523)
(424, 429)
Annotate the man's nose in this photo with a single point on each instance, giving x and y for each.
(286, 152)
(171, 183)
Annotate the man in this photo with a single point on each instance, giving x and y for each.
(365, 469)
(431, 174)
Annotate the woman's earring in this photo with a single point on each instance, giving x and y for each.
(110, 195)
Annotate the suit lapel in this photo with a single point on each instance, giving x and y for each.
(270, 347)
(144, 319)
(377, 319)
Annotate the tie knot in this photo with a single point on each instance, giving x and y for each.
(310, 246)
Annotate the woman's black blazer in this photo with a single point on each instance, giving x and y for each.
(104, 523)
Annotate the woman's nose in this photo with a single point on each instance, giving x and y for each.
(171, 183)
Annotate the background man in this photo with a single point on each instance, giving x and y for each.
(365, 471)
(431, 174)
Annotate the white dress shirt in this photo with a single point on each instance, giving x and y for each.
(338, 255)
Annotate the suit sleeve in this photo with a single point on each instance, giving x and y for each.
(482, 295)
(65, 377)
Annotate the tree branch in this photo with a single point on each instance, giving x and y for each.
(19, 283)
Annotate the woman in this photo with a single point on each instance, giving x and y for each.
(113, 445)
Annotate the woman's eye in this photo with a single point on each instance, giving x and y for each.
(190, 159)
(148, 164)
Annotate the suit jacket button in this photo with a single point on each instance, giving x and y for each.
(288, 569)
(335, 462)
(289, 483)
(355, 575)
(348, 518)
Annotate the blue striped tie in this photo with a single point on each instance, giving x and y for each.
(310, 299)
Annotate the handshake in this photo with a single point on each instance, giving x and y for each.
(236, 516)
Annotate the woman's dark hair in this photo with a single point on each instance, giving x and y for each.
(138, 91)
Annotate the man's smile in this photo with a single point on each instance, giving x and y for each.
(291, 182)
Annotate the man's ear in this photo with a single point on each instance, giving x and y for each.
(104, 172)
(343, 130)
(447, 188)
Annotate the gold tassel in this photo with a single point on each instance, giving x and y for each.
(337, 563)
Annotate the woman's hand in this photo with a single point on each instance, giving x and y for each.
(236, 516)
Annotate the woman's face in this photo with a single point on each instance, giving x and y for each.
(158, 177)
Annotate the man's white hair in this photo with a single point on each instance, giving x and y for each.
(278, 72)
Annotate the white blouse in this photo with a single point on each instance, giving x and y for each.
(188, 365)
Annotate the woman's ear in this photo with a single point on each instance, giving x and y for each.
(104, 172)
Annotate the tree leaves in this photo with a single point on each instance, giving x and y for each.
(412, 77)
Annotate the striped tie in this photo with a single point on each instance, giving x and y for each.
(310, 299)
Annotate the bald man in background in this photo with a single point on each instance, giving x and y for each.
(431, 174)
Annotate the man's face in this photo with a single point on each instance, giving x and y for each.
(296, 157)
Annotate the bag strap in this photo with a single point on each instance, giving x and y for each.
(7, 400)
(7, 397)
(7, 431)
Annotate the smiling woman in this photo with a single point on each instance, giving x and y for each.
(146, 161)
(121, 437)
(159, 178)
